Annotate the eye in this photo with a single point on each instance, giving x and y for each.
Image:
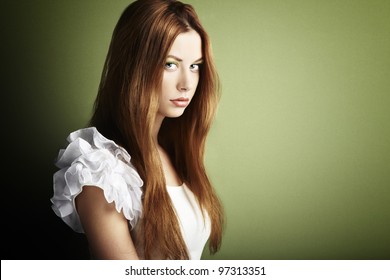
(170, 66)
(195, 67)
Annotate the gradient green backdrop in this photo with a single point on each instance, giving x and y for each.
(300, 149)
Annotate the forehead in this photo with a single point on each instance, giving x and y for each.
(187, 46)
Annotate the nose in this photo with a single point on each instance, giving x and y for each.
(184, 82)
(183, 88)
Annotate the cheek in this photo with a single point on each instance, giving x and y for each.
(196, 84)
(197, 80)
(164, 86)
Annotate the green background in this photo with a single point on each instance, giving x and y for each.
(300, 149)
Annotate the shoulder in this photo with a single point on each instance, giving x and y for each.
(90, 159)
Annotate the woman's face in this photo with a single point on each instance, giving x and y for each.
(181, 74)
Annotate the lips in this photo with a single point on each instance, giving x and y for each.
(180, 102)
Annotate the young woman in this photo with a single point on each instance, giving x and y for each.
(134, 179)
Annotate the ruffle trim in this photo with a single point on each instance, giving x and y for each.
(91, 159)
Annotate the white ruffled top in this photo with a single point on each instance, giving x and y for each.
(92, 159)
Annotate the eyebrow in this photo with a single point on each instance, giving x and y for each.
(180, 60)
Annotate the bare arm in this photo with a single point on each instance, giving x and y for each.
(107, 230)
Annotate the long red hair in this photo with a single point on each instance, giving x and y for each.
(125, 111)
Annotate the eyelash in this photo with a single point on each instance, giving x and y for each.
(168, 66)
(198, 65)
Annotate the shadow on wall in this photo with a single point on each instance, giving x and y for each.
(31, 230)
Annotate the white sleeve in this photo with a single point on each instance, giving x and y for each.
(92, 159)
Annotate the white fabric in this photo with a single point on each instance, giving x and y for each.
(92, 159)
(194, 227)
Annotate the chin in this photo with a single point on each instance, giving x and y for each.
(172, 116)
(175, 114)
